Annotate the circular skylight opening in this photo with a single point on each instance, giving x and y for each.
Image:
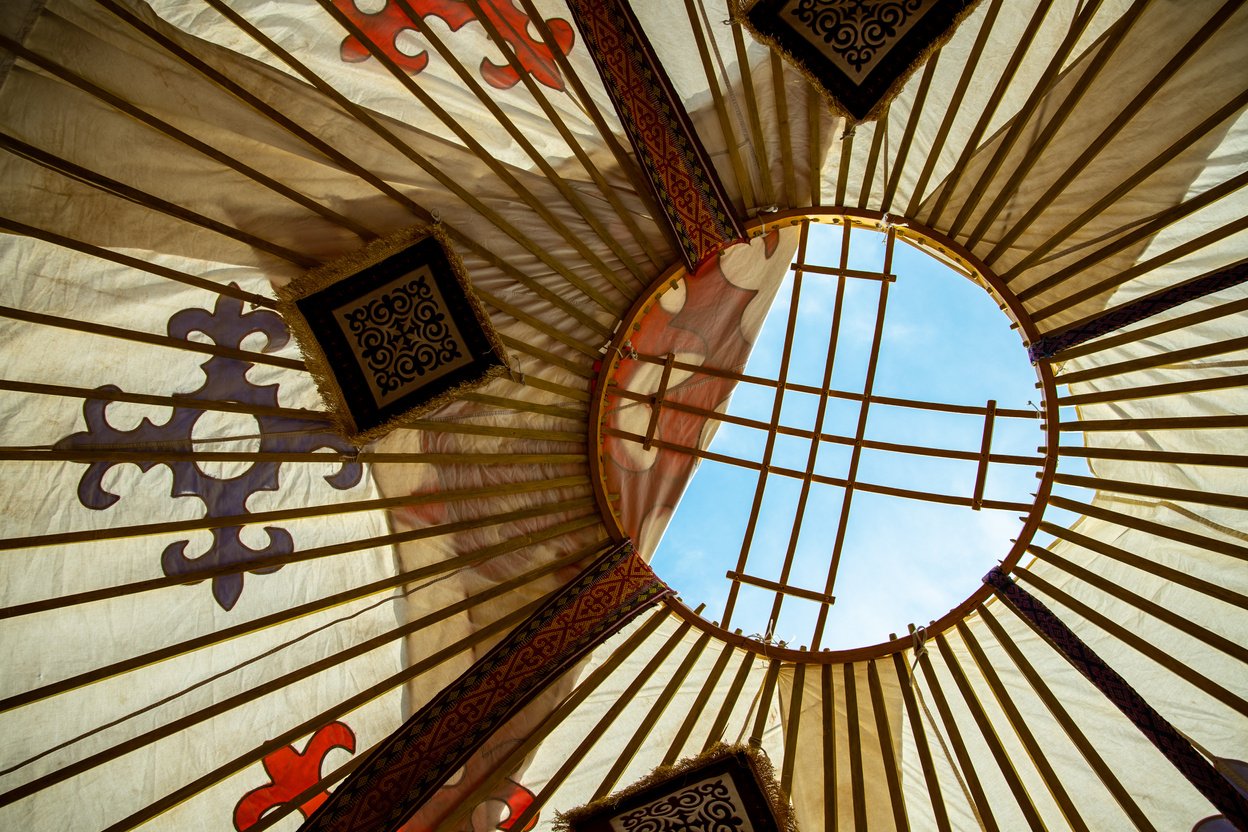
(857, 430)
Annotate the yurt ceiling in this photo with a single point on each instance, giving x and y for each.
(218, 601)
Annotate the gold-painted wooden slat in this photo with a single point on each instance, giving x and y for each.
(252, 693)
(651, 719)
(912, 123)
(829, 364)
(973, 140)
(120, 190)
(255, 755)
(570, 196)
(840, 482)
(884, 733)
(878, 135)
(42, 319)
(1159, 457)
(604, 723)
(777, 403)
(1034, 750)
(574, 394)
(1192, 246)
(505, 176)
(1181, 322)
(186, 139)
(1054, 704)
(939, 814)
(837, 439)
(953, 107)
(571, 412)
(767, 189)
(1141, 645)
(1169, 574)
(831, 783)
(537, 323)
(965, 763)
(304, 512)
(1039, 94)
(1150, 391)
(578, 368)
(892, 401)
(245, 628)
(1138, 175)
(128, 453)
(1156, 423)
(390, 539)
(366, 119)
(744, 184)
(113, 395)
(720, 725)
(857, 780)
(469, 429)
(847, 157)
(873, 360)
(229, 85)
(1156, 359)
(789, 197)
(1091, 577)
(1095, 146)
(676, 749)
(1161, 492)
(1124, 239)
(792, 730)
(763, 709)
(815, 108)
(175, 275)
(1053, 122)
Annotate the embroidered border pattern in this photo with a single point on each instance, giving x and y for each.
(427, 750)
(659, 129)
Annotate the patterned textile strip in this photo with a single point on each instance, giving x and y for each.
(659, 129)
(1176, 748)
(427, 750)
(1050, 345)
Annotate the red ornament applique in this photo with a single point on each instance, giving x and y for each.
(383, 28)
(290, 773)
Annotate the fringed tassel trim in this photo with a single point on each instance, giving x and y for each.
(318, 364)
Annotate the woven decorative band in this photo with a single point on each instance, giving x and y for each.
(1129, 313)
(676, 164)
(1176, 748)
(418, 758)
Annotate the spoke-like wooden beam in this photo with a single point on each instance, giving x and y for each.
(777, 404)
(120, 190)
(952, 108)
(855, 457)
(1097, 145)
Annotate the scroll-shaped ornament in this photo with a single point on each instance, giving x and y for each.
(391, 332)
(858, 53)
(729, 787)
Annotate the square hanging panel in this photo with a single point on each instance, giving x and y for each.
(858, 53)
(727, 788)
(392, 331)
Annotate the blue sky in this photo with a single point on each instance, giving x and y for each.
(904, 560)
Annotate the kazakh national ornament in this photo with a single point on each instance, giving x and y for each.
(858, 53)
(409, 767)
(677, 166)
(392, 331)
(291, 773)
(383, 27)
(726, 789)
(225, 381)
